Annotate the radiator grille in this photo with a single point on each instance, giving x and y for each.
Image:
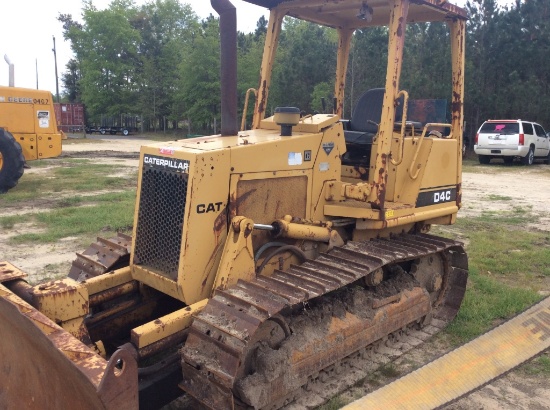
(160, 221)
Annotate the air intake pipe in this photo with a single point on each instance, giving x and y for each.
(11, 72)
(228, 41)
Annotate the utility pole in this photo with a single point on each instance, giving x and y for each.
(56, 79)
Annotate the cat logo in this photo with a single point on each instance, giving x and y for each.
(211, 207)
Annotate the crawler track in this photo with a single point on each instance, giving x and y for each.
(262, 343)
(101, 257)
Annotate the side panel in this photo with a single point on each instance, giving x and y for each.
(205, 231)
(39, 146)
(49, 145)
(17, 118)
(442, 164)
(436, 162)
(266, 196)
(402, 186)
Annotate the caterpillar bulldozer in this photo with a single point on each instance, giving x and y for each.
(259, 258)
(28, 131)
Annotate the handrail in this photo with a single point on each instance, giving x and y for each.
(419, 140)
(243, 121)
(405, 95)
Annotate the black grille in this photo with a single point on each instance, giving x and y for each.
(160, 221)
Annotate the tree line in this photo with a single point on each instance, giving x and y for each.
(160, 61)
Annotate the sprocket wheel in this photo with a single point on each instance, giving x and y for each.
(431, 273)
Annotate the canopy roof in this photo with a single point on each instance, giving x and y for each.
(344, 13)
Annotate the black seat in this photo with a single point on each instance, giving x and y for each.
(360, 130)
(362, 127)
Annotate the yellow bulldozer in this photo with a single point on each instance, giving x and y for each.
(259, 258)
(28, 131)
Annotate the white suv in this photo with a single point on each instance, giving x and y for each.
(508, 139)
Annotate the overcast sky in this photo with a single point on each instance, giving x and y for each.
(29, 25)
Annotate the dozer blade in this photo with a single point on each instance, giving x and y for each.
(44, 367)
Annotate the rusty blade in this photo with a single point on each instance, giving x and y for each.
(8, 272)
(44, 367)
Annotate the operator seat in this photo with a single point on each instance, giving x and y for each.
(360, 130)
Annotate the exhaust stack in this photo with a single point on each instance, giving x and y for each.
(228, 41)
(11, 72)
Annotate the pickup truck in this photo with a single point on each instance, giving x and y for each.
(509, 139)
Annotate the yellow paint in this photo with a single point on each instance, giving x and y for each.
(237, 261)
(61, 300)
(30, 117)
(165, 326)
(108, 280)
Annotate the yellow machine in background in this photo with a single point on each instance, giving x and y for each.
(259, 258)
(28, 131)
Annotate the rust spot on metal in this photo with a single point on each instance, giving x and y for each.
(381, 183)
(248, 230)
(400, 27)
(363, 173)
(220, 224)
(263, 97)
(456, 105)
(83, 335)
(113, 293)
(163, 344)
(235, 203)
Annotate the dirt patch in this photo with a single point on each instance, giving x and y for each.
(94, 145)
(522, 187)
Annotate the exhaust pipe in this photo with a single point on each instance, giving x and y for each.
(11, 72)
(228, 41)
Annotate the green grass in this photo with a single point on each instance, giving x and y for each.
(74, 201)
(66, 176)
(498, 247)
(389, 370)
(43, 163)
(333, 404)
(507, 263)
(494, 197)
(487, 303)
(515, 216)
(538, 367)
(109, 212)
